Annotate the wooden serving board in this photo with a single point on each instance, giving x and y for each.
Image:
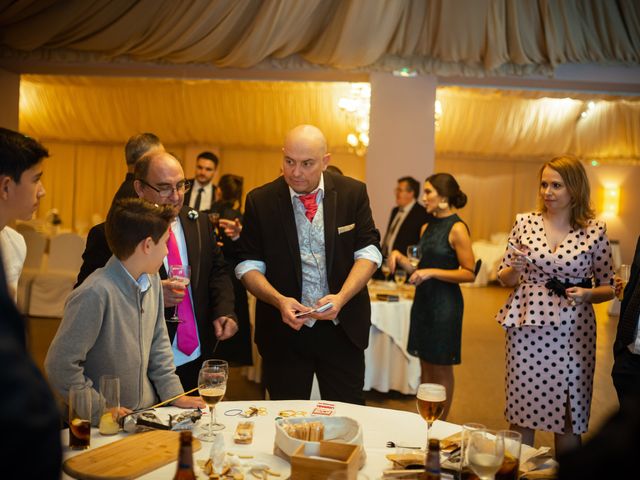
(128, 458)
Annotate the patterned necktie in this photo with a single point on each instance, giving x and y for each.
(310, 204)
(629, 320)
(387, 237)
(187, 336)
(196, 205)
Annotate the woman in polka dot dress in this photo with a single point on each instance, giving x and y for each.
(551, 335)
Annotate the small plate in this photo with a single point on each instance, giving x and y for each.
(275, 463)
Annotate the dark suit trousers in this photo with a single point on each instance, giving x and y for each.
(626, 373)
(324, 350)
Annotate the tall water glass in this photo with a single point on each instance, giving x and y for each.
(465, 470)
(485, 453)
(511, 462)
(110, 404)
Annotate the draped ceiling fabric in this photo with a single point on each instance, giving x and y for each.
(444, 37)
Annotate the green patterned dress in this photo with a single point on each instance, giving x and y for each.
(436, 315)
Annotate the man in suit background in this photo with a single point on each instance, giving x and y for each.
(136, 147)
(309, 240)
(407, 218)
(626, 348)
(159, 178)
(203, 192)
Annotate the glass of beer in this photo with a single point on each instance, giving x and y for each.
(485, 453)
(511, 462)
(430, 401)
(212, 385)
(79, 417)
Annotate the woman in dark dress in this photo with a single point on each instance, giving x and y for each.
(447, 260)
(237, 349)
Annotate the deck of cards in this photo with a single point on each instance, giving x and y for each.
(323, 408)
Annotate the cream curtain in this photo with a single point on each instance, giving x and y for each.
(487, 138)
(531, 125)
(85, 122)
(445, 37)
(248, 114)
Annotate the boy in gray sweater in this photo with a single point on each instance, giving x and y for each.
(114, 322)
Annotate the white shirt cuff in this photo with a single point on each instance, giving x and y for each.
(248, 265)
(370, 253)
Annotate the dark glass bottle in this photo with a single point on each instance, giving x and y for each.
(185, 458)
(432, 464)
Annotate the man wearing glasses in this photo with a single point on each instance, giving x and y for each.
(207, 303)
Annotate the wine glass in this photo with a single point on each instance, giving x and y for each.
(400, 276)
(624, 272)
(179, 274)
(485, 453)
(414, 254)
(212, 385)
(386, 271)
(214, 218)
(430, 400)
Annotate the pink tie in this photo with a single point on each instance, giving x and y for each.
(310, 204)
(187, 337)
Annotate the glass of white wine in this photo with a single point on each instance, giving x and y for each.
(485, 453)
(212, 385)
(180, 274)
(414, 254)
(624, 272)
(430, 401)
(386, 271)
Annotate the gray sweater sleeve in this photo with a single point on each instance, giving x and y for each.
(68, 351)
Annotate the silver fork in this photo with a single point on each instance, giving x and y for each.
(391, 444)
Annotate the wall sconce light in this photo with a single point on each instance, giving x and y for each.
(611, 204)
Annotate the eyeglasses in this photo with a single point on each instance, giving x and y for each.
(166, 190)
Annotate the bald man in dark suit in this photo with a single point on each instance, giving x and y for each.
(308, 240)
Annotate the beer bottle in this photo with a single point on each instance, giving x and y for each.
(432, 464)
(185, 458)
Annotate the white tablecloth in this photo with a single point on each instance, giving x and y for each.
(379, 426)
(388, 366)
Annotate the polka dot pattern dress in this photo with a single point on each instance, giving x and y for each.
(551, 344)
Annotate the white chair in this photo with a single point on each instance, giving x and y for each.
(36, 245)
(50, 289)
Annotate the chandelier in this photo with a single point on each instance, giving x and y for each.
(357, 106)
(437, 115)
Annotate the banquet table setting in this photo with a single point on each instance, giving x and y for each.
(379, 426)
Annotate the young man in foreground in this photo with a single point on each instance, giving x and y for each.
(114, 322)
